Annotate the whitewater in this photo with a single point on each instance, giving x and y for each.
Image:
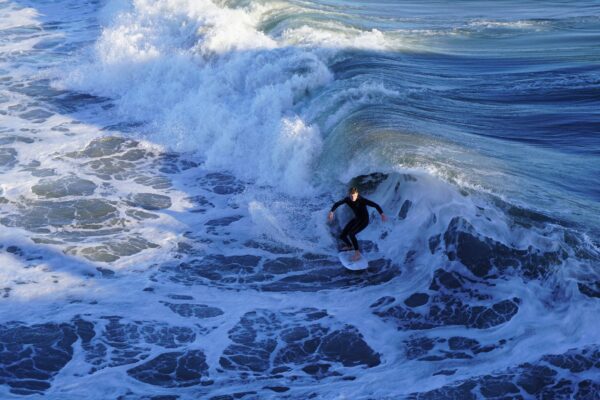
(167, 167)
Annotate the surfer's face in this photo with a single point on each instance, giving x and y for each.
(354, 196)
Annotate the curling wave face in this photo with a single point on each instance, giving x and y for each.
(272, 92)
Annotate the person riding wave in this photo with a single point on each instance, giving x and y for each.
(358, 204)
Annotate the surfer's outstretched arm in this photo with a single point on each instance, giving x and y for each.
(339, 203)
(377, 207)
(336, 205)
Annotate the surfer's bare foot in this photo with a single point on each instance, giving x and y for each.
(356, 256)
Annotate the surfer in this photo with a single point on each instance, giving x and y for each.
(358, 204)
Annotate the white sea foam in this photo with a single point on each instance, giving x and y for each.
(207, 80)
(12, 16)
(23, 29)
(519, 24)
(337, 36)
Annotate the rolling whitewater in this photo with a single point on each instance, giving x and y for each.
(167, 168)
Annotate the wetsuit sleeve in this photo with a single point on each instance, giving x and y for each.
(373, 204)
(338, 203)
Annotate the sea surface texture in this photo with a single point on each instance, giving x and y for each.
(167, 166)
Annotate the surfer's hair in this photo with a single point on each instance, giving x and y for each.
(352, 190)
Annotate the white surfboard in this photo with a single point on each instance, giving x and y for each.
(346, 260)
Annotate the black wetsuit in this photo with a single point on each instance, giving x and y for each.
(360, 220)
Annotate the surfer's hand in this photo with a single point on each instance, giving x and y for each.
(330, 216)
(383, 217)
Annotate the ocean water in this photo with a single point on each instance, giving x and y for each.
(166, 169)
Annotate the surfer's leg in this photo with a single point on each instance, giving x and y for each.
(357, 227)
(345, 231)
(354, 242)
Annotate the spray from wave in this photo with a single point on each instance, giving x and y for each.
(204, 78)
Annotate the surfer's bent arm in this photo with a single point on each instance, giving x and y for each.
(374, 205)
(338, 203)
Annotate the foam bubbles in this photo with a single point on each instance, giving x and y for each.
(14, 17)
(206, 80)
